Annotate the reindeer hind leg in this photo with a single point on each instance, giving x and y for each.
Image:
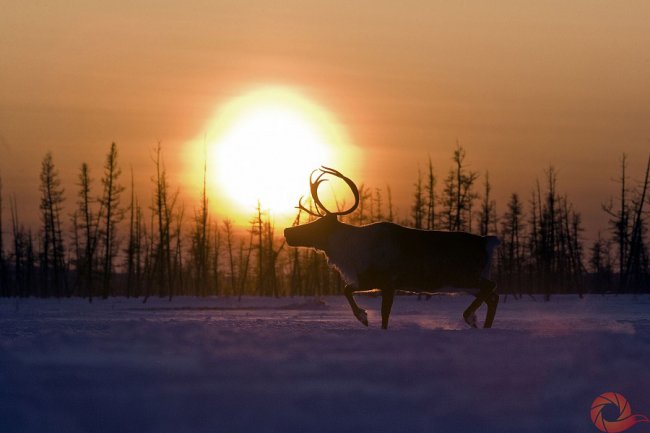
(470, 312)
(486, 294)
(492, 303)
(387, 296)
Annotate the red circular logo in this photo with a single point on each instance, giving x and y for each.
(623, 421)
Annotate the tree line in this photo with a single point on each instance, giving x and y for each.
(114, 244)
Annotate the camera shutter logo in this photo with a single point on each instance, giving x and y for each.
(623, 421)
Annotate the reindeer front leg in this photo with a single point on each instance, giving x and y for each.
(358, 312)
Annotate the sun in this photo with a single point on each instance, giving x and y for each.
(265, 144)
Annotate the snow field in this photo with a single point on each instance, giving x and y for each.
(307, 365)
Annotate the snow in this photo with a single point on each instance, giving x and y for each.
(307, 365)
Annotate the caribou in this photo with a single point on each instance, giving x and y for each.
(391, 257)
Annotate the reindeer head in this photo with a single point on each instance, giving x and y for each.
(316, 234)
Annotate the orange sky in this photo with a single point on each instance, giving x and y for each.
(521, 84)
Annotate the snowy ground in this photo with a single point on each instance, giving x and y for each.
(299, 365)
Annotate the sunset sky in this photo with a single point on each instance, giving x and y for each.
(520, 85)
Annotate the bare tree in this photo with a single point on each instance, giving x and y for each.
(163, 209)
(132, 244)
(419, 204)
(257, 230)
(487, 213)
(431, 197)
(228, 231)
(200, 247)
(362, 215)
(88, 227)
(377, 201)
(511, 252)
(600, 262)
(458, 194)
(619, 221)
(390, 204)
(111, 216)
(216, 257)
(555, 246)
(244, 261)
(23, 254)
(150, 260)
(53, 253)
(296, 283)
(4, 284)
(634, 267)
(271, 254)
(140, 248)
(178, 282)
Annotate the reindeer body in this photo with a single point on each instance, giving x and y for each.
(384, 255)
(390, 257)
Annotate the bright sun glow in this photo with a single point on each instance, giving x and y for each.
(266, 143)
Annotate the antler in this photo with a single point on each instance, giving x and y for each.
(321, 210)
(313, 187)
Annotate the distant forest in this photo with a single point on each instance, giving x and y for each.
(108, 242)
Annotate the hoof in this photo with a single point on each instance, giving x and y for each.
(361, 316)
(471, 320)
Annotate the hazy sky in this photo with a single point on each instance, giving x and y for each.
(521, 85)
